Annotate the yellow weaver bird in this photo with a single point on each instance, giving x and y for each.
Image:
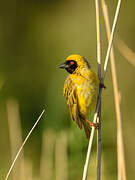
(80, 90)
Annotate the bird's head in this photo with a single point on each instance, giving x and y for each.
(74, 62)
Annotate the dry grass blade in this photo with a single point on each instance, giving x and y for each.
(100, 92)
(120, 147)
(27, 137)
(125, 50)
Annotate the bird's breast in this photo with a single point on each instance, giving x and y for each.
(87, 91)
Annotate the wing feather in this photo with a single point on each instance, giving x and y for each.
(70, 93)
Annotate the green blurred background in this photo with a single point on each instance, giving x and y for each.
(35, 37)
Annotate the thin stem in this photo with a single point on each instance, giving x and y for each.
(120, 146)
(100, 92)
(97, 5)
(98, 37)
(99, 146)
(13, 163)
(111, 38)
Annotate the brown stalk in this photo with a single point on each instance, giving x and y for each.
(125, 50)
(120, 146)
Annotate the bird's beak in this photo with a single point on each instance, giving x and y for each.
(63, 65)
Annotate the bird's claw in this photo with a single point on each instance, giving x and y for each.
(91, 124)
(95, 125)
(101, 85)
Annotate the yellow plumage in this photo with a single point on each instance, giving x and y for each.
(80, 90)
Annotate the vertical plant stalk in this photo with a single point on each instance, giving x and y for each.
(28, 174)
(97, 5)
(61, 163)
(120, 146)
(18, 153)
(46, 161)
(99, 145)
(85, 171)
(15, 135)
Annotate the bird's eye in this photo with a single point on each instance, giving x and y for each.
(71, 62)
(72, 65)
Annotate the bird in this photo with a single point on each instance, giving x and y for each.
(80, 90)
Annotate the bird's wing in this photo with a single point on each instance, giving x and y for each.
(70, 92)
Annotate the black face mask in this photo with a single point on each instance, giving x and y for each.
(69, 65)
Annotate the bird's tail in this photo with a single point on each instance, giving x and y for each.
(87, 129)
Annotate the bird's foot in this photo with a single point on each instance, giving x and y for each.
(91, 124)
(95, 125)
(101, 85)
